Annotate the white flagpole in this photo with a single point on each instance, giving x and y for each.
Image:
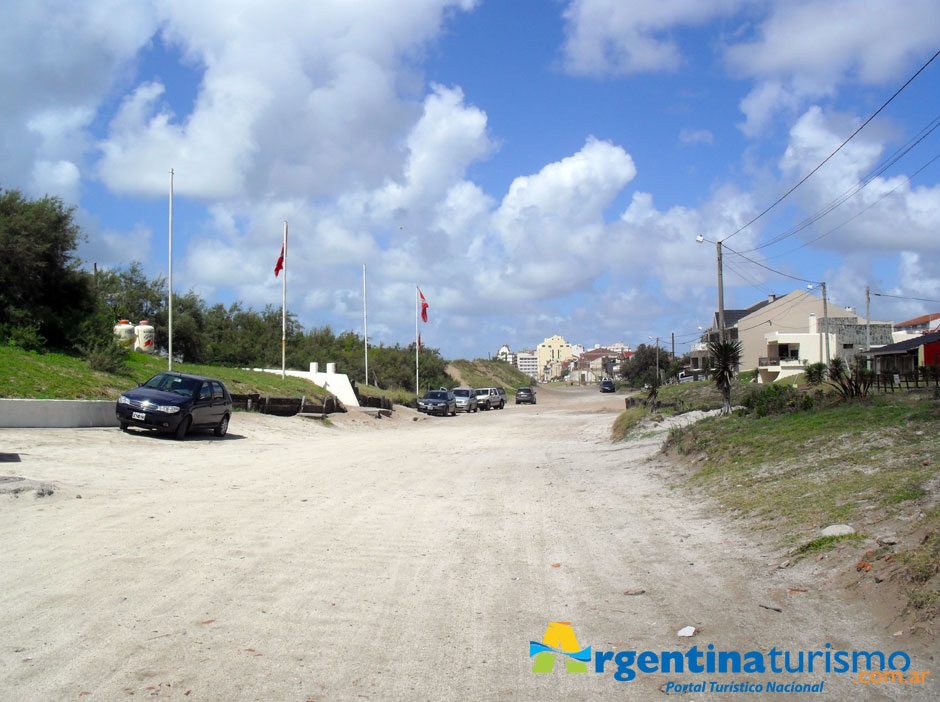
(284, 308)
(365, 322)
(170, 284)
(417, 348)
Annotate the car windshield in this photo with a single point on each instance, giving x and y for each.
(462, 393)
(482, 392)
(172, 383)
(436, 395)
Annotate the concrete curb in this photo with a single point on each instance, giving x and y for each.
(59, 414)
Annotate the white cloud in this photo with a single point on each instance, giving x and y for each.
(294, 98)
(689, 137)
(889, 214)
(631, 36)
(808, 49)
(58, 62)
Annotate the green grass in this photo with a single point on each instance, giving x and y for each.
(858, 463)
(626, 422)
(481, 373)
(54, 376)
(826, 543)
(697, 395)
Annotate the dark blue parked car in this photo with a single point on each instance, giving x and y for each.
(176, 403)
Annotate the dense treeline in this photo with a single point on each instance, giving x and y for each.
(48, 302)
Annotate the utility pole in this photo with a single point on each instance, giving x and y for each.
(721, 297)
(867, 324)
(365, 323)
(826, 317)
(170, 283)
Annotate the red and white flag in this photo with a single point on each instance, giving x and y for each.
(424, 307)
(280, 262)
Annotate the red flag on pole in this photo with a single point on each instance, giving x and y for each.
(280, 262)
(424, 307)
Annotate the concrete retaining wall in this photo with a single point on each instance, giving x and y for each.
(57, 413)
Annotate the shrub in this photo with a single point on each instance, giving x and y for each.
(777, 399)
(106, 355)
(25, 337)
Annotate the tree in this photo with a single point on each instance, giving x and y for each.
(640, 368)
(41, 285)
(726, 356)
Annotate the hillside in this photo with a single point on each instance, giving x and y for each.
(482, 373)
(57, 376)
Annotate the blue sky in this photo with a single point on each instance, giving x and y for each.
(537, 167)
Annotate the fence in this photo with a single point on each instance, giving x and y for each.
(287, 406)
(907, 380)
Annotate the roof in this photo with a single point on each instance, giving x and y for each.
(901, 346)
(923, 319)
(732, 317)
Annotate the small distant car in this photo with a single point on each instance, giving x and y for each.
(492, 398)
(176, 403)
(686, 377)
(466, 400)
(525, 395)
(440, 402)
(607, 385)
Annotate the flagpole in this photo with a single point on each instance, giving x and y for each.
(170, 284)
(365, 322)
(284, 308)
(417, 348)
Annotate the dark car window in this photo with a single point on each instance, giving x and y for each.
(437, 395)
(462, 393)
(172, 383)
(205, 391)
(217, 392)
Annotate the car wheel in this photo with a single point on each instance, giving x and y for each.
(183, 428)
(222, 429)
(123, 426)
(502, 404)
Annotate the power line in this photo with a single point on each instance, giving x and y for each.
(901, 297)
(772, 270)
(855, 190)
(907, 179)
(839, 148)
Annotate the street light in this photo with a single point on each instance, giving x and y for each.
(721, 289)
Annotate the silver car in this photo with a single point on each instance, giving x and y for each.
(466, 400)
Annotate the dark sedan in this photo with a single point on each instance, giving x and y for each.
(525, 395)
(176, 403)
(440, 402)
(607, 385)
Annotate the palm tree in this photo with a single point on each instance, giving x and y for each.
(725, 357)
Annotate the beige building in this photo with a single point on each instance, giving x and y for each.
(787, 334)
(554, 348)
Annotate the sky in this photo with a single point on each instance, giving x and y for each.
(537, 167)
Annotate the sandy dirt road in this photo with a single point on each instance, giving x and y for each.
(388, 560)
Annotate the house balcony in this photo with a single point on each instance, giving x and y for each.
(777, 362)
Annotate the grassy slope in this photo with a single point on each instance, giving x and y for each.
(482, 374)
(866, 463)
(26, 374)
